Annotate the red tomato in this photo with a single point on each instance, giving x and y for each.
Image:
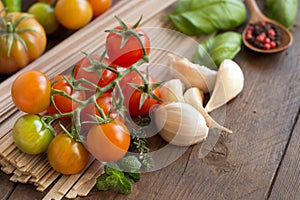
(108, 142)
(51, 110)
(66, 155)
(131, 52)
(100, 6)
(132, 96)
(106, 78)
(104, 102)
(46, 1)
(65, 104)
(31, 92)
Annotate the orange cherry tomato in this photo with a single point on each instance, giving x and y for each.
(73, 14)
(108, 142)
(31, 92)
(66, 155)
(100, 6)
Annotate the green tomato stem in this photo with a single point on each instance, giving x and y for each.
(76, 85)
(9, 28)
(62, 93)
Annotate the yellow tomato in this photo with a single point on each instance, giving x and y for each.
(73, 14)
(100, 6)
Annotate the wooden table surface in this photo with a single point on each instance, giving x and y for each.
(260, 160)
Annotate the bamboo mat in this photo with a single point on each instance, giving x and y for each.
(36, 169)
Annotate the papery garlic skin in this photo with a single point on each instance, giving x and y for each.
(171, 91)
(229, 83)
(180, 124)
(194, 97)
(193, 75)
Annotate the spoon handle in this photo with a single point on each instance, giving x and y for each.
(256, 14)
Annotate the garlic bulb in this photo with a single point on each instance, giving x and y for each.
(171, 91)
(180, 124)
(229, 83)
(193, 75)
(194, 97)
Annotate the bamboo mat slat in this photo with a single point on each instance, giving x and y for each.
(36, 169)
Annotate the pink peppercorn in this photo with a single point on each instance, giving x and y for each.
(273, 44)
(267, 46)
(263, 35)
(267, 40)
(271, 32)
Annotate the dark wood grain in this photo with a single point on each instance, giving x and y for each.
(6, 187)
(287, 181)
(260, 160)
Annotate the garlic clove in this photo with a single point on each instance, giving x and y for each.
(193, 75)
(194, 97)
(229, 83)
(172, 91)
(180, 124)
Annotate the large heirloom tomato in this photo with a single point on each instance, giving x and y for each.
(66, 155)
(133, 96)
(64, 104)
(22, 40)
(31, 92)
(130, 52)
(31, 134)
(108, 142)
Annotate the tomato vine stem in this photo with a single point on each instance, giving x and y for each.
(97, 65)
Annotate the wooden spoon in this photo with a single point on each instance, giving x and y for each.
(256, 16)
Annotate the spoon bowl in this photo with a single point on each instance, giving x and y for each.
(256, 16)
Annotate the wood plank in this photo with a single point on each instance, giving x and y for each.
(287, 181)
(245, 164)
(25, 192)
(6, 186)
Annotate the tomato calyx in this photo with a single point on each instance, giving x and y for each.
(126, 32)
(46, 121)
(146, 89)
(11, 31)
(97, 66)
(71, 82)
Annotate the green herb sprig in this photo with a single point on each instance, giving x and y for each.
(120, 175)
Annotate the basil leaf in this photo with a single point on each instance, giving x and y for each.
(283, 11)
(216, 49)
(196, 17)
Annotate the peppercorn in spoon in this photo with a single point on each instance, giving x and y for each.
(263, 34)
